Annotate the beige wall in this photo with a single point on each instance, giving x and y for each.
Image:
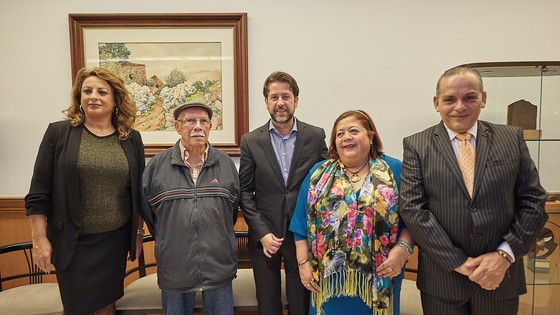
(381, 56)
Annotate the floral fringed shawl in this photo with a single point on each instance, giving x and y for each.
(349, 236)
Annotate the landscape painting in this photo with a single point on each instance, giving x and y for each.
(161, 76)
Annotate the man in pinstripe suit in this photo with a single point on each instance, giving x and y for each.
(471, 248)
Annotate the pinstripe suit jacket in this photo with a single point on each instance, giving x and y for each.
(449, 226)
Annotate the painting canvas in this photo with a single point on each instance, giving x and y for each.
(161, 76)
(165, 71)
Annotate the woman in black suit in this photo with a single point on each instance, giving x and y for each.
(84, 197)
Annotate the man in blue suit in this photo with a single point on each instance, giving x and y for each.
(472, 233)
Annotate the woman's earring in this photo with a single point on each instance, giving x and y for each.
(116, 110)
(81, 109)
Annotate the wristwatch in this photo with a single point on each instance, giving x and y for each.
(504, 254)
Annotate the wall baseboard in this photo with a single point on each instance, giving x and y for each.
(12, 204)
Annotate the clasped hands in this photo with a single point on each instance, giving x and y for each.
(486, 270)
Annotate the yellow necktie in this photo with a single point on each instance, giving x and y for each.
(466, 160)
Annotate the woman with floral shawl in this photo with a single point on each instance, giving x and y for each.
(346, 224)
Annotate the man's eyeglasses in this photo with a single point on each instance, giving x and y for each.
(192, 121)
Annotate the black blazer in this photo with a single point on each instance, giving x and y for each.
(54, 190)
(267, 203)
(448, 226)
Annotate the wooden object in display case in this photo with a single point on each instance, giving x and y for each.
(524, 114)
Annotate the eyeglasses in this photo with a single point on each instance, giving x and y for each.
(189, 121)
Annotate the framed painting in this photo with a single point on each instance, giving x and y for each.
(169, 59)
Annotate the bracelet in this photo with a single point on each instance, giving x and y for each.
(140, 231)
(404, 245)
(408, 254)
(303, 262)
(504, 254)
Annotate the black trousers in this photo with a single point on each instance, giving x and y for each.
(268, 282)
(478, 304)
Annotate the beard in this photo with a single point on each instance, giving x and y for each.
(281, 119)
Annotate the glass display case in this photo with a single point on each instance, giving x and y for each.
(527, 94)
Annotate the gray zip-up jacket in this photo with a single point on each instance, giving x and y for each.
(195, 246)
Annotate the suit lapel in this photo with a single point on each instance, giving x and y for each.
(300, 142)
(441, 139)
(266, 144)
(483, 141)
(128, 151)
(72, 174)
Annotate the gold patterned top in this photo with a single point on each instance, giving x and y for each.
(104, 182)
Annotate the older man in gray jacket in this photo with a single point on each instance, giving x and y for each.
(190, 194)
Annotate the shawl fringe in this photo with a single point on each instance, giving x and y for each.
(350, 283)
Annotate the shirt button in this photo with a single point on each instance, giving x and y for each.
(472, 235)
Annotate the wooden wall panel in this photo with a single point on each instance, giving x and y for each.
(14, 228)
